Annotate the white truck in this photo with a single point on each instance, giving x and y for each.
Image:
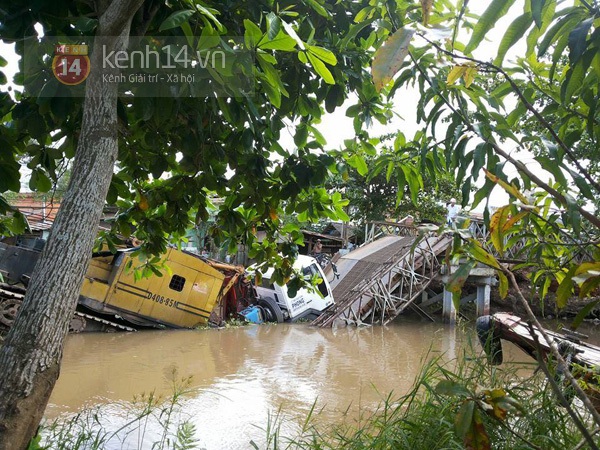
(274, 303)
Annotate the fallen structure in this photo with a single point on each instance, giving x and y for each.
(112, 297)
(380, 280)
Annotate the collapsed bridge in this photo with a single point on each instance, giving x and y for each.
(383, 278)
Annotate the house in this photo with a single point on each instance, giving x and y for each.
(334, 237)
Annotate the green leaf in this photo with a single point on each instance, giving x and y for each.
(464, 418)
(582, 314)
(482, 193)
(390, 57)
(176, 19)
(211, 14)
(273, 25)
(359, 163)
(583, 185)
(588, 286)
(554, 167)
(209, 38)
(452, 389)
(86, 25)
(252, 35)
(502, 285)
(556, 31)
(578, 40)
(573, 82)
(320, 68)
(545, 19)
(414, 182)
(273, 93)
(565, 289)
(19, 224)
(281, 42)
(479, 155)
(323, 54)
(480, 254)
(586, 267)
(390, 170)
(272, 74)
(317, 135)
(155, 270)
(292, 33)
(515, 31)
(314, 4)
(536, 11)
(39, 181)
(487, 21)
(301, 135)
(9, 177)
(457, 279)
(353, 32)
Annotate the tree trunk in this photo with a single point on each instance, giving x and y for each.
(31, 353)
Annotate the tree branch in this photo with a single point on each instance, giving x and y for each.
(521, 167)
(587, 437)
(554, 350)
(147, 13)
(583, 442)
(518, 164)
(117, 16)
(529, 107)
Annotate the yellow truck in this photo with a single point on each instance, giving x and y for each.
(196, 290)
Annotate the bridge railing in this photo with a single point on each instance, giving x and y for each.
(375, 230)
(514, 247)
(480, 232)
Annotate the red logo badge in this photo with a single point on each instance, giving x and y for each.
(71, 64)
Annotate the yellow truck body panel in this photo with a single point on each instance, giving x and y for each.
(183, 298)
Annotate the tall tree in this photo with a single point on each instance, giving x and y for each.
(170, 150)
(397, 181)
(31, 353)
(544, 98)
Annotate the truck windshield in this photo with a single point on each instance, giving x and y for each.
(311, 271)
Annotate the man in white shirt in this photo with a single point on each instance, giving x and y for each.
(453, 210)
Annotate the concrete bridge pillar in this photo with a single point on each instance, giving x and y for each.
(483, 278)
(483, 299)
(449, 311)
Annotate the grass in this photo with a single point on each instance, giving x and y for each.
(90, 430)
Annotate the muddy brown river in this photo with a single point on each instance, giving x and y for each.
(242, 377)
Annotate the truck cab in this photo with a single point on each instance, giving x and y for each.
(278, 306)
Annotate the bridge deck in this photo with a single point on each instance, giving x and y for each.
(362, 263)
(380, 280)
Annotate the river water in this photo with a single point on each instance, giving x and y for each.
(242, 377)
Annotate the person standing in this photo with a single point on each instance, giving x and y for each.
(318, 248)
(453, 210)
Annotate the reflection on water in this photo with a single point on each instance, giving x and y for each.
(241, 375)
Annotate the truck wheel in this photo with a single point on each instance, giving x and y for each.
(272, 310)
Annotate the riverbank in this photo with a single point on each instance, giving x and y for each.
(547, 308)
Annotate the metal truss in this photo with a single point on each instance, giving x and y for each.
(376, 230)
(391, 289)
